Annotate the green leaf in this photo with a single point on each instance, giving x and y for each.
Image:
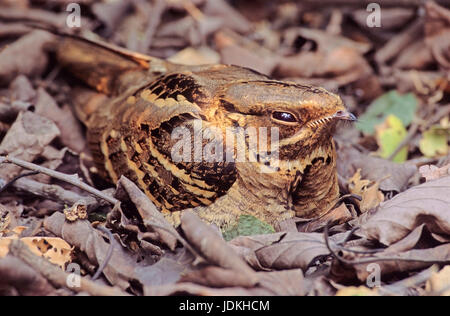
(434, 142)
(389, 135)
(248, 225)
(402, 106)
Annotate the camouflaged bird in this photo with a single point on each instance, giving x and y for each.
(140, 101)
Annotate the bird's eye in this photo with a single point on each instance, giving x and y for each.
(284, 116)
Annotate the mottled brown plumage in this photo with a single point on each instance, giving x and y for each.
(141, 102)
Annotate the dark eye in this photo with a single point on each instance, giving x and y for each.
(284, 116)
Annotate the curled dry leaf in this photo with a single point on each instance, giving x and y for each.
(288, 282)
(26, 56)
(151, 217)
(285, 250)
(76, 212)
(21, 89)
(423, 204)
(80, 234)
(26, 139)
(71, 133)
(357, 291)
(437, 31)
(238, 51)
(431, 172)
(389, 263)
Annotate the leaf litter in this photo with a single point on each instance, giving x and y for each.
(392, 166)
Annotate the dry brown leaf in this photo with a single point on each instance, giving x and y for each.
(423, 204)
(284, 250)
(213, 276)
(431, 172)
(336, 216)
(437, 31)
(18, 278)
(56, 250)
(232, 18)
(71, 133)
(391, 176)
(80, 234)
(212, 246)
(21, 89)
(410, 260)
(26, 139)
(195, 56)
(236, 50)
(187, 288)
(151, 217)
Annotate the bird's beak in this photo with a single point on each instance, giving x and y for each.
(345, 115)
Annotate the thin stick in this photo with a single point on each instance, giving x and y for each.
(72, 179)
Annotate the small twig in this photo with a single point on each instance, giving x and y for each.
(108, 253)
(8, 184)
(72, 179)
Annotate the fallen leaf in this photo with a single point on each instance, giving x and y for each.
(426, 203)
(439, 282)
(434, 141)
(195, 56)
(389, 135)
(18, 278)
(402, 106)
(26, 139)
(357, 291)
(286, 250)
(26, 56)
(56, 250)
(411, 260)
(437, 28)
(121, 268)
(72, 135)
(211, 245)
(391, 176)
